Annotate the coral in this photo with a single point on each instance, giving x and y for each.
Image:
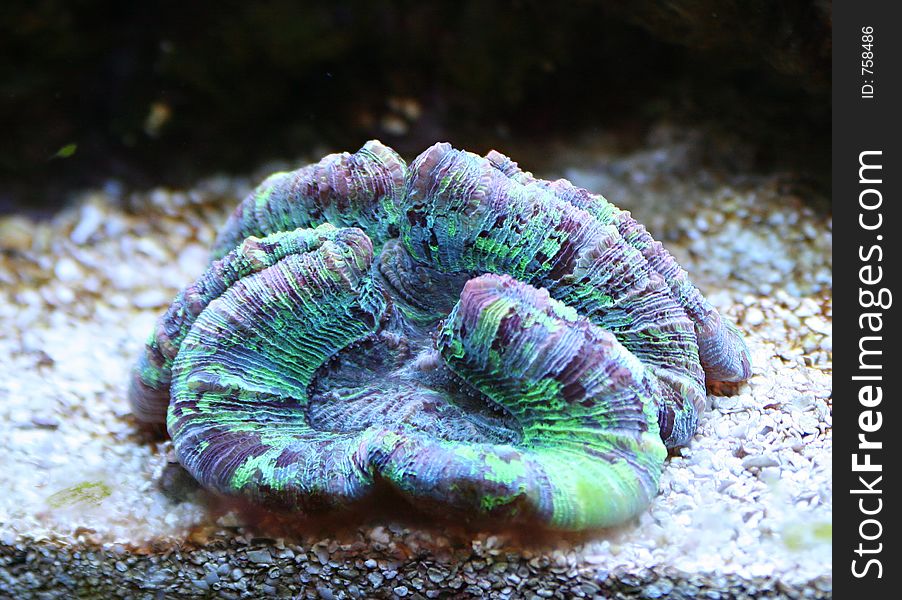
(482, 341)
(361, 190)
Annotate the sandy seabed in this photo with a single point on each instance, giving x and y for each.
(744, 511)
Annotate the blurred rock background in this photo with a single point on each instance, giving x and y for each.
(165, 92)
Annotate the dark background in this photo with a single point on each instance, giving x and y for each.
(865, 125)
(160, 93)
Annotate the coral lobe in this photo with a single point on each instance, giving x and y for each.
(483, 341)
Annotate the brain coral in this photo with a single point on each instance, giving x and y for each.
(484, 342)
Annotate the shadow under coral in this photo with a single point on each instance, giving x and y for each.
(383, 507)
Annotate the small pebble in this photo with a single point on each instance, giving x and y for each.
(91, 217)
(67, 270)
(16, 233)
(150, 299)
(759, 461)
(261, 557)
(754, 316)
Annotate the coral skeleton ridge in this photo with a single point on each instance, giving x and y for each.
(484, 342)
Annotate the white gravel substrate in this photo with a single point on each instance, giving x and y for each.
(745, 510)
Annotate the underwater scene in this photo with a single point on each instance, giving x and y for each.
(416, 300)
